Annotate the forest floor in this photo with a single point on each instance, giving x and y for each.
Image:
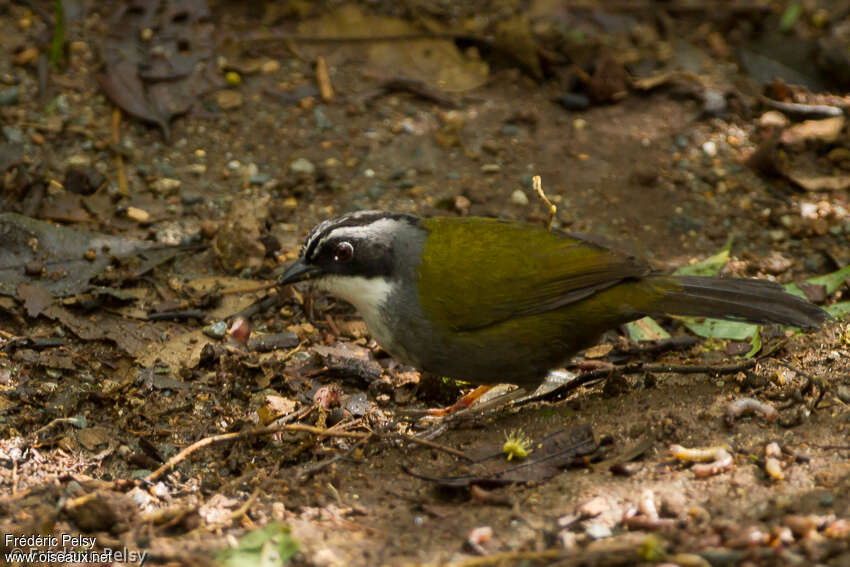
(670, 132)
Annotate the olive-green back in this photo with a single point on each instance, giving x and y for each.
(479, 272)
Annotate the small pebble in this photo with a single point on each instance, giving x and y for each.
(321, 119)
(777, 235)
(165, 185)
(160, 490)
(375, 192)
(773, 118)
(518, 197)
(229, 99)
(62, 105)
(491, 168)
(269, 67)
(137, 214)
(526, 180)
(596, 530)
(216, 330)
(709, 148)
(13, 135)
(232, 78)
(9, 96)
(573, 101)
(510, 130)
(166, 170)
(196, 169)
(827, 499)
(713, 103)
(191, 198)
(302, 166)
(814, 262)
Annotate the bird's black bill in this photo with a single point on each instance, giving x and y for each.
(298, 271)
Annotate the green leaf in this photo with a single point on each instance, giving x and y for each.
(646, 329)
(755, 344)
(831, 281)
(719, 329)
(711, 266)
(838, 310)
(269, 546)
(790, 16)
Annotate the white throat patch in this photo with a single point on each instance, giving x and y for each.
(368, 295)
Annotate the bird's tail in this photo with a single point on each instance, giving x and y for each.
(735, 299)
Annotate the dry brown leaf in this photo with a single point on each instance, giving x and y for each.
(437, 62)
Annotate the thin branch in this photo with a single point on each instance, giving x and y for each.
(227, 437)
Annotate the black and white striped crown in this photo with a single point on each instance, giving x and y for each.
(355, 225)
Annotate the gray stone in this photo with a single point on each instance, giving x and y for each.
(13, 135)
(9, 96)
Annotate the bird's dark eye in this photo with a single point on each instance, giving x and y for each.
(343, 252)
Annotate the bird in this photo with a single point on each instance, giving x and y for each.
(492, 301)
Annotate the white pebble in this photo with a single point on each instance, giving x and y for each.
(519, 197)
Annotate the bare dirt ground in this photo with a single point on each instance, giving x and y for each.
(100, 386)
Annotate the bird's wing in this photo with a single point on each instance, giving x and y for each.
(478, 274)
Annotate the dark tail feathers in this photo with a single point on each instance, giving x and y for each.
(738, 299)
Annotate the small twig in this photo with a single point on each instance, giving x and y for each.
(260, 287)
(310, 470)
(56, 421)
(326, 91)
(257, 307)
(432, 445)
(662, 345)
(332, 324)
(812, 111)
(243, 509)
(119, 160)
(226, 437)
(637, 368)
(412, 86)
(177, 315)
(537, 183)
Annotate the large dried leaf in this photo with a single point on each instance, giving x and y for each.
(437, 62)
(62, 252)
(128, 334)
(548, 457)
(157, 79)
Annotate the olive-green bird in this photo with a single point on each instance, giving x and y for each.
(493, 301)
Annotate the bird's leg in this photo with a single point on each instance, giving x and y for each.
(463, 403)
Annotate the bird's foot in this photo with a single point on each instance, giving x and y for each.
(463, 403)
